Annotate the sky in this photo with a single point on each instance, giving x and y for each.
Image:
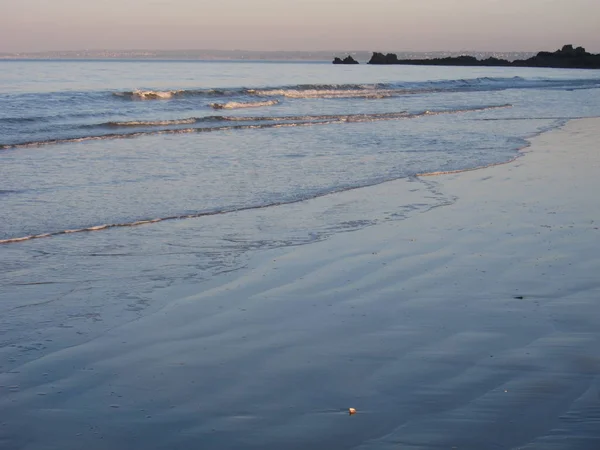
(372, 25)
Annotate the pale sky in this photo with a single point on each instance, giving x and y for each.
(385, 25)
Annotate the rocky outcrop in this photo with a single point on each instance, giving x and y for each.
(380, 58)
(390, 58)
(347, 60)
(567, 57)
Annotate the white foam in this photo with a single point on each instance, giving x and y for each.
(148, 95)
(237, 105)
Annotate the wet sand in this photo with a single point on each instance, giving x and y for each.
(475, 325)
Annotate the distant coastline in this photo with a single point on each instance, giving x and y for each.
(238, 55)
(567, 57)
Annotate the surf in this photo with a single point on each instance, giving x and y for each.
(376, 90)
(241, 105)
(255, 123)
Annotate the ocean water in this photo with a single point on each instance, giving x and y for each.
(125, 185)
(85, 145)
(106, 165)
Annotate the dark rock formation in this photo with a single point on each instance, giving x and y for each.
(380, 58)
(347, 60)
(567, 57)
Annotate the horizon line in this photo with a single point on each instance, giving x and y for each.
(257, 51)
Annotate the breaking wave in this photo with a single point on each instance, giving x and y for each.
(239, 105)
(259, 122)
(379, 90)
(139, 94)
(149, 95)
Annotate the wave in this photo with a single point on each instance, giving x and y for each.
(176, 217)
(300, 91)
(149, 95)
(139, 94)
(306, 117)
(263, 123)
(149, 221)
(378, 90)
(498, 83)
(238, 105)
(208, 119)
(131, 135)
(233, 209)
(148, 123)
(192, 120)
(325, 93)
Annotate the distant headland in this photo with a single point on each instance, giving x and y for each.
(565, 58)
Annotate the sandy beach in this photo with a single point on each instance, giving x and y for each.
(474, 325)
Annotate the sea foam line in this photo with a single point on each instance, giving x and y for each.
(169, 218)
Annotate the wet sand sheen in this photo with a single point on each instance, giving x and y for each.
(472, 326)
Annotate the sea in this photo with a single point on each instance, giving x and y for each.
(106, 164)
(124, 181)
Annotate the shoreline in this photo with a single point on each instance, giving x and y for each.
(473, 325)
